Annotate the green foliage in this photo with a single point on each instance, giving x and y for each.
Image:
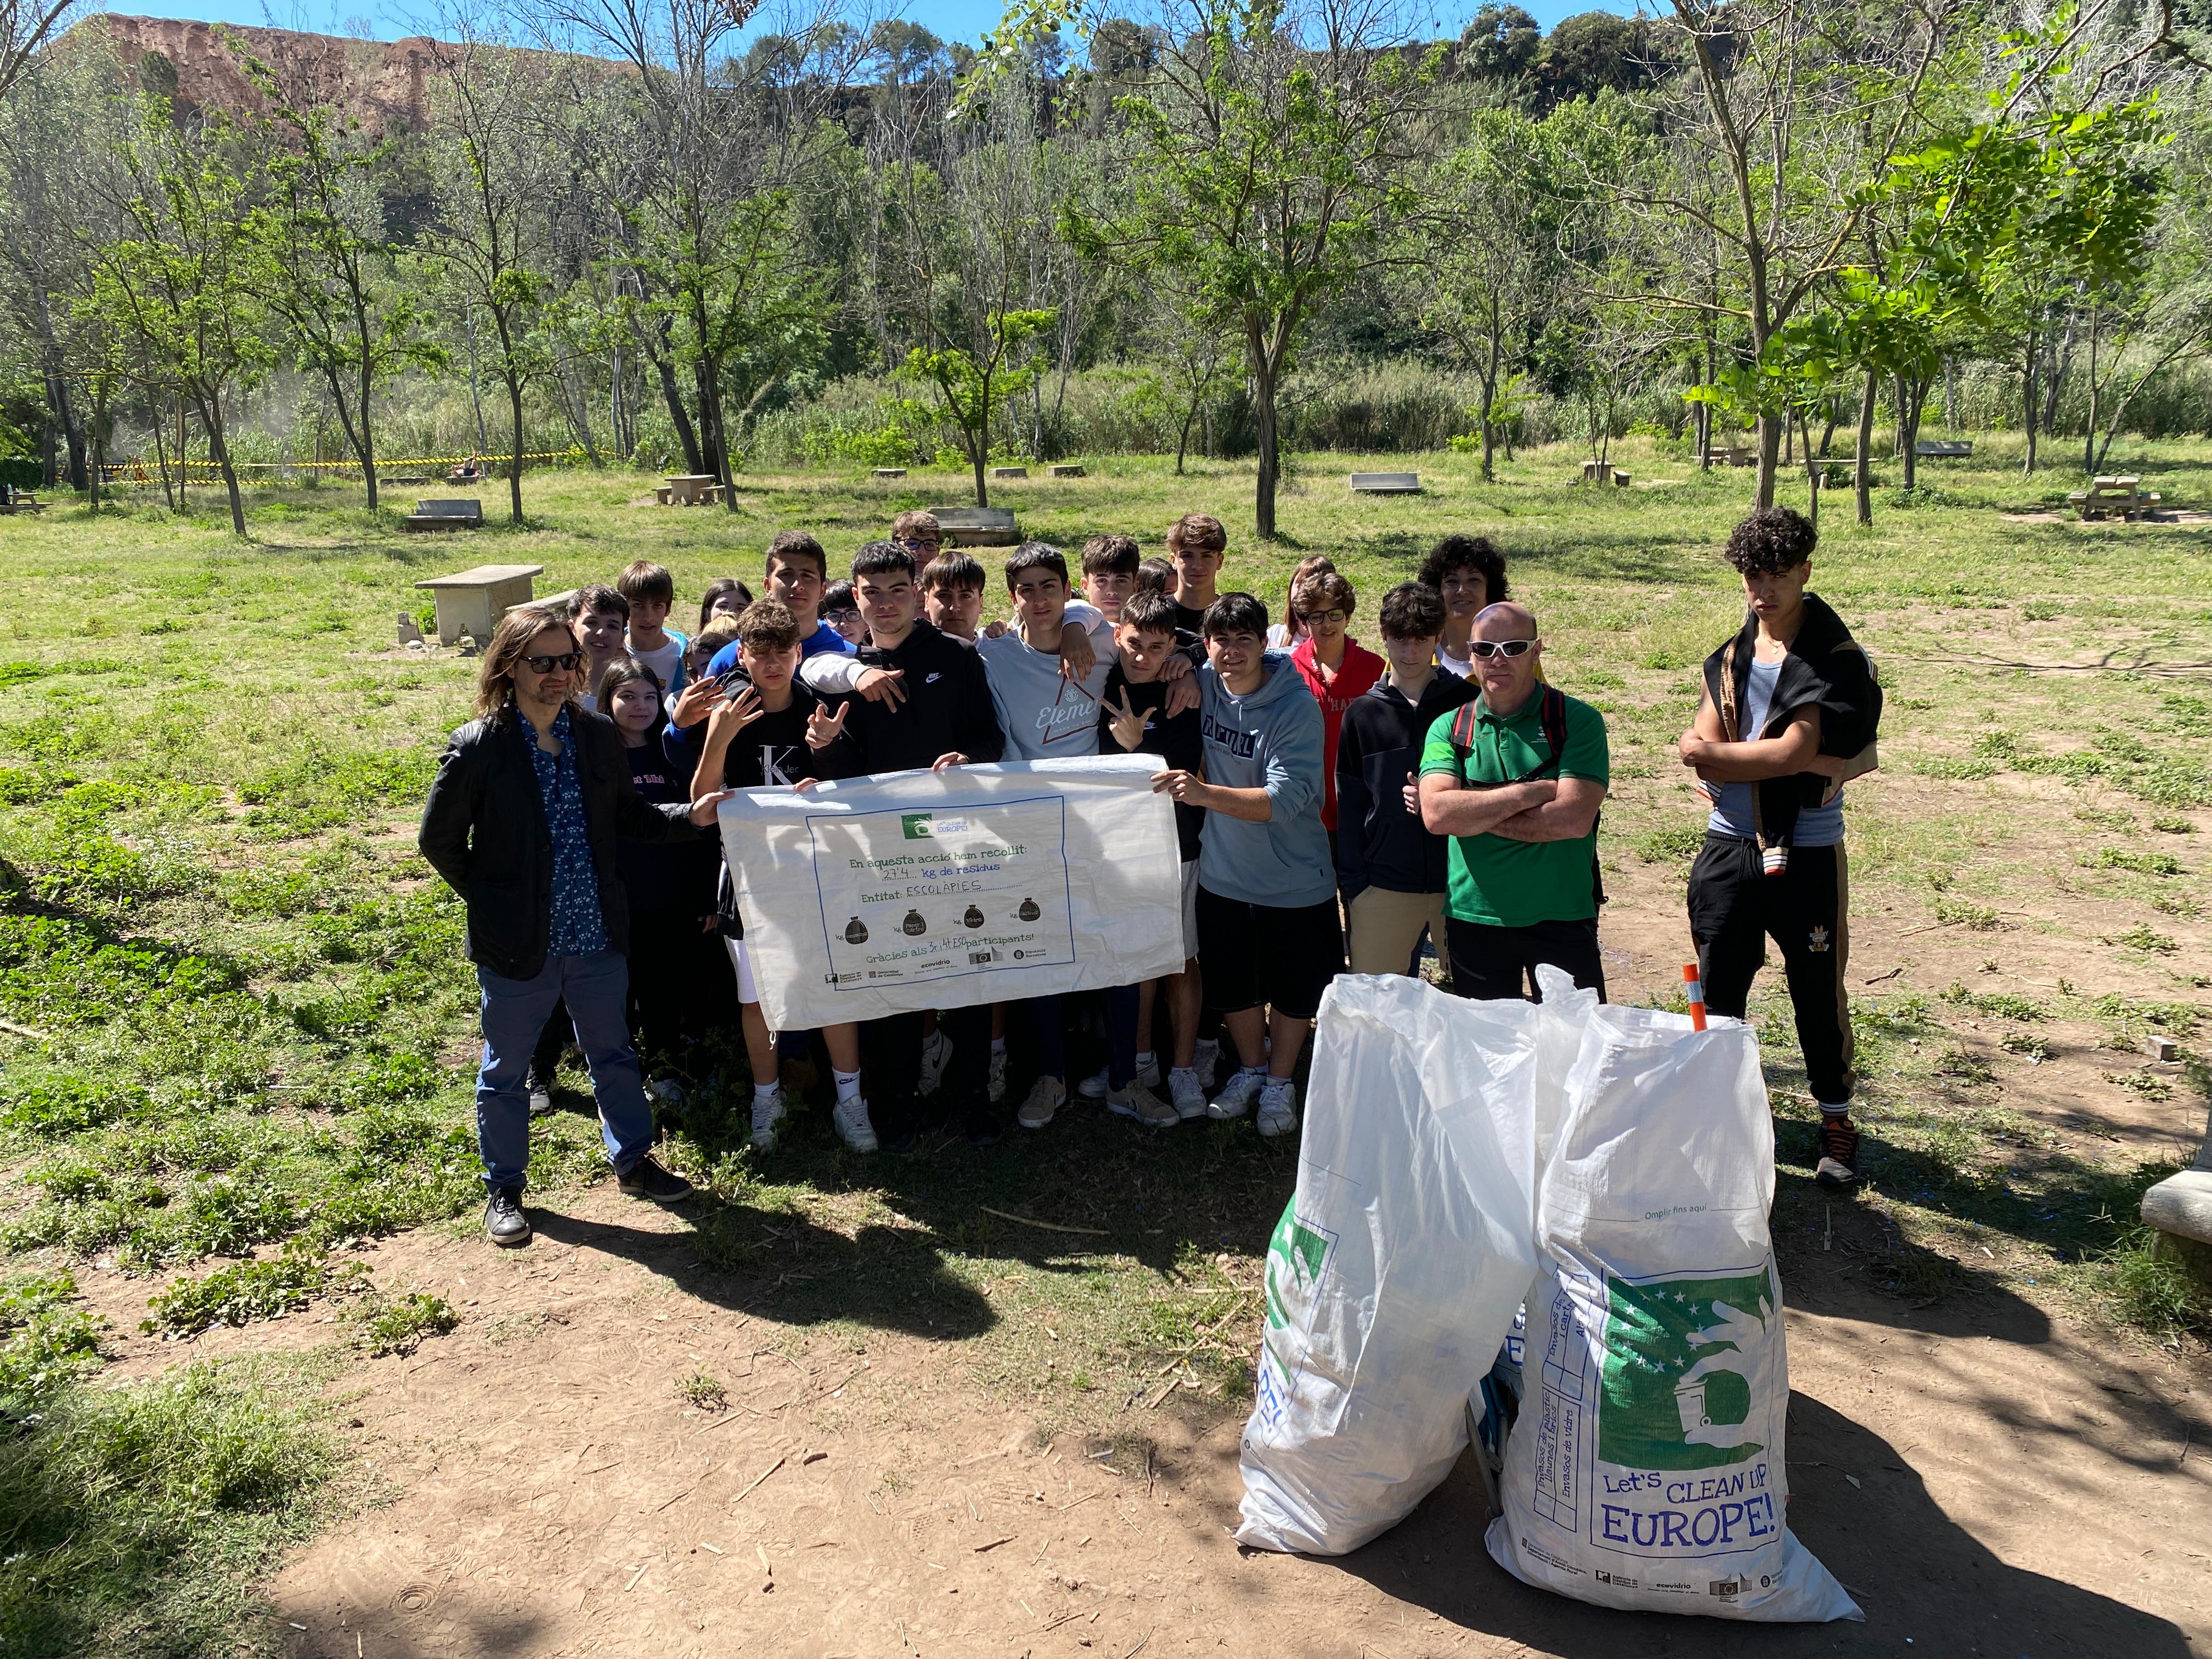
(240, 1294)
(44, 1345)
(2002, 1004)
(399, 1324)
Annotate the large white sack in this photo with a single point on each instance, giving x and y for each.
(1396, 1270)
(1647, 1470)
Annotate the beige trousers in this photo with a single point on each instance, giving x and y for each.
(1386, 928)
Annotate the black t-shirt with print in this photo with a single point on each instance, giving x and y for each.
(1175, 739)
(769, 753)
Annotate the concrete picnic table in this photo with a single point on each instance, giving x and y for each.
(690, 488)
(472, 601)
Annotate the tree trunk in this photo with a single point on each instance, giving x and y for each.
(514, 470)
(210, 409)
(161, 458)
(1490, 399)
(2032, 361)
(1770, 451)
(2089, 427)
(366, 446)
(1183, 438)
(1828, 425)
(1263, 424)
(978, 453)
(1862, 458)
(97, 473)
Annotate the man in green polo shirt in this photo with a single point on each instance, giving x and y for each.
(1516, 779)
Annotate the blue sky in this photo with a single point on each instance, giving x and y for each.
(955, 20)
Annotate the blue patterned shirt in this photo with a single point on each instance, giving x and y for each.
(578, 927)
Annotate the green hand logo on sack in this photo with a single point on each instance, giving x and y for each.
(1676, 1391)
(1302, 1251)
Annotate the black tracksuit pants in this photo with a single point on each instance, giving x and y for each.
(1734, 907)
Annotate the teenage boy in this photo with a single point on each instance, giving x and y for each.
(919, 534)
(945, 719)
(1133, 718)
(1269, 935)
(1110, 573)
(1788, 712)
(602, 623)
(797, 572)
(1515, 778)
(952, 595)
(651, 592)
(1157, 576)
(770, 732)
(1468, 573)
(1197, 546)
(1389, 867)
(1047, 712)
(1335, 667)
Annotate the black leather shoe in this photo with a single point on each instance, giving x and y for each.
(504, 1221)
(646, 1179)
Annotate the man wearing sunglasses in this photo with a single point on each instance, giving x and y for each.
(521, 823)
(1515, 778)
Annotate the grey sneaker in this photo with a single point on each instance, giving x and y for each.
(1278, 1109)
(1095, 1087)
(935, 1054)
(997, 1075)
(1187, 1092)
(504, 1221)
(1148, 1070)
(1134, 1100)
(541, 1092)
(767, 1118)
(851, 1117)
(1237, 1098)
(646, 1179)
(1046, 1098)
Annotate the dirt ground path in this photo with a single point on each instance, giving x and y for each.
(1984, 1483)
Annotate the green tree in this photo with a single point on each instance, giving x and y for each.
(190, 277)
(974, 387)
(1257, 164)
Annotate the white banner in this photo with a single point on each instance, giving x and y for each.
(942, 890)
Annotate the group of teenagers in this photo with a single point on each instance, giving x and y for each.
(1337, 809)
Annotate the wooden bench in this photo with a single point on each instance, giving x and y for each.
(976, 527)
(472, 602)
(23, 501)
(444, 515)
(1943, 449)
(1385, 483)
(2124, 495)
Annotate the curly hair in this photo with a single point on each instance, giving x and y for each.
(1771, 540)
(1476, 553)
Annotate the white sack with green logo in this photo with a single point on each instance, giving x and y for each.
(1646, 1467)
(1394, 1273)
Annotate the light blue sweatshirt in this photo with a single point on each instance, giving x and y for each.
(1269, 740)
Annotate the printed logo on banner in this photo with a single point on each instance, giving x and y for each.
(1297, 1255)
(929, 826)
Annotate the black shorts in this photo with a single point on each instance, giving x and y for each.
(1284, 957)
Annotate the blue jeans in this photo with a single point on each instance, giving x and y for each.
(514, 1011)
(1121, 1036)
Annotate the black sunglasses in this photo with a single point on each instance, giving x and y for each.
(567, 660)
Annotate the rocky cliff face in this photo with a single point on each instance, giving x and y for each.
(382, 84)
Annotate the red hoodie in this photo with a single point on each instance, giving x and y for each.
(1354, 677)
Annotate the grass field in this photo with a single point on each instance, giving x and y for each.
(239, 1039)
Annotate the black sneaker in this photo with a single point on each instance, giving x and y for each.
(646, 1179)
(540, 1086)
(979, 1125)
(504, 1221)
(1839, 1152)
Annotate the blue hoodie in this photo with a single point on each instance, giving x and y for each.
(1269, 740)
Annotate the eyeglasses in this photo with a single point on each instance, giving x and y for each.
(1326, 618)
(846, 613)
(916, 543)
(567, 660)
(1486, 649)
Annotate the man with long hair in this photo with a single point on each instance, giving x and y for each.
(521, 823)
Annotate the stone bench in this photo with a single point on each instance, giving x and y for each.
(1010, 472)
(1068, 470)
(1385, 483)
(2180, 1208)
(444, 515)
(1943, 449)
(888, 473)
(976, 527)
(2124, 495)
(472, 602)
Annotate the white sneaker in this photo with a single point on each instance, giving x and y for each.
(767, 1118)
(935, 1054)
(1236, 1099)
(997, 1075)
(851, 1117)
(1206, 1061)
(1094, 1086)
(1046, 1098)
(1184, 1088)
(1148, 1070)
(667, 1091)
(1134, 1100)
(1278, 1109)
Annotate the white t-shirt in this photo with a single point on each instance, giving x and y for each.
(666, 660)
(1461, 667)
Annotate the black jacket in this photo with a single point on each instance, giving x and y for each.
(1825, 666)
(947, 710)
(484, 830)
(1378, 842)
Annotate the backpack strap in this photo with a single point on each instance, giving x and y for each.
(1463, 725)
(1554, 716)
